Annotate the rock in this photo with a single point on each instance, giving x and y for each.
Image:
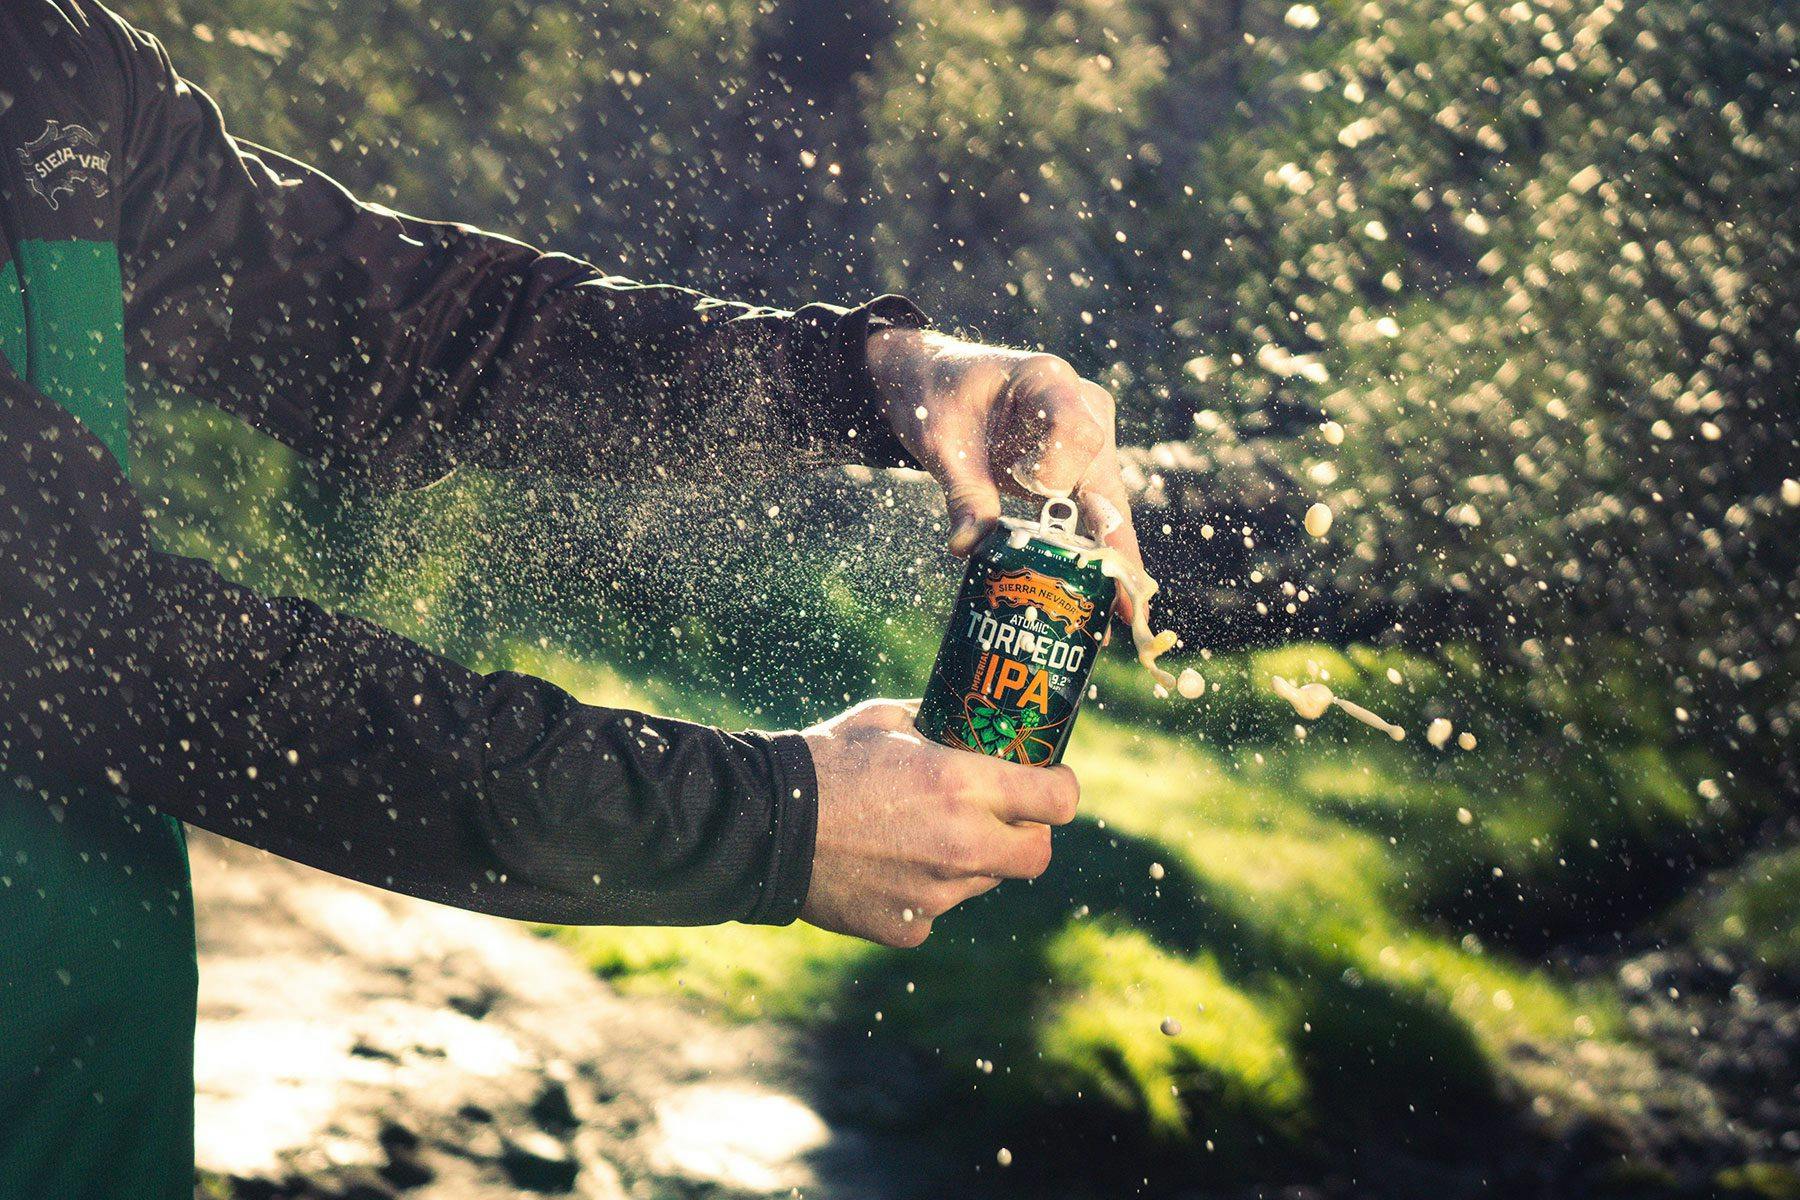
(537, 1162)
(475, 1005)
(553, 1109)
(599, 1179)
(404, 1168)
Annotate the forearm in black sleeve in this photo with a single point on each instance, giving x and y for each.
(334, 742)
(400, 348)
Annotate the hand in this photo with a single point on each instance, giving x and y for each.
(909, 829)
(984, 419)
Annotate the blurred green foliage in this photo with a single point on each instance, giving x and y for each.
(1536, 258)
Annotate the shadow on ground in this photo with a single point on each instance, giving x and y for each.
(1396, 1095)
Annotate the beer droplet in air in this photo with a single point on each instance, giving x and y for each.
(1318, 520)
(1438, 733)
(1466, 740)
(1333, 433)
(1157, 871)
(1190, 684)
(1170, 1026)
(1003, 1156)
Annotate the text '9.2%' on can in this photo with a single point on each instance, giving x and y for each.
(1024, 635)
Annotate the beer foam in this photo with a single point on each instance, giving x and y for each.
(1311, 700)
(1137, 584)
(1140, 588)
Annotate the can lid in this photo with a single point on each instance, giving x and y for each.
(1056, 524)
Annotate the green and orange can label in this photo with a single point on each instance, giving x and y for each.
(1026, 629)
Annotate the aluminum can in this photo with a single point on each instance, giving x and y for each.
(1026, 629)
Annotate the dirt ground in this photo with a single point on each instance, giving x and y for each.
(355, 1044)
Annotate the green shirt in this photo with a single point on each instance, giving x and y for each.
(97, 971)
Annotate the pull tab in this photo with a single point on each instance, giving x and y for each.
(1059, 515)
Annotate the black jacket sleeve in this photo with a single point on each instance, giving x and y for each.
(397, 349)
(400, 348)
(336, 743)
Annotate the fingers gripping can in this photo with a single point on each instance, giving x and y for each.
(1023, 638)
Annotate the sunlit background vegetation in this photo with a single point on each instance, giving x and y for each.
(1538, 260)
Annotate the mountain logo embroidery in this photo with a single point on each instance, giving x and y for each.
(65, 158)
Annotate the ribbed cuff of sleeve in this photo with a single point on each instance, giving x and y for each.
(836, 403)
(794, 826)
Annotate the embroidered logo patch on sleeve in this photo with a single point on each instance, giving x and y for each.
(64, 158)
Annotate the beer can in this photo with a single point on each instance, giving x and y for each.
(1024, 634)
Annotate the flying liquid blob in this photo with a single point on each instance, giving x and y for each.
(1191, 685)
(1170, 1026)
(1332, 432)
(1466, 740)
(1438, 733)
(1003, 1156)
(1140, 588)
(1318, 520)
(1311, 700)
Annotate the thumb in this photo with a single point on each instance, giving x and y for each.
(974, 509)
(969, 491)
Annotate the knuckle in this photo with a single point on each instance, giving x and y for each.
(1077, 424)
(942, 898)
(1052, 368)
(1039, 859)
(946, 793)
(962, 792)
(909, 935)
(987, 376)
(1089, 434)
(961, 854)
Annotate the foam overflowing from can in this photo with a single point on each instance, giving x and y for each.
(1057, 522)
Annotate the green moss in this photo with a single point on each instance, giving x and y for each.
(1754, 912)
(1106, 1032)
(1765, 1181)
